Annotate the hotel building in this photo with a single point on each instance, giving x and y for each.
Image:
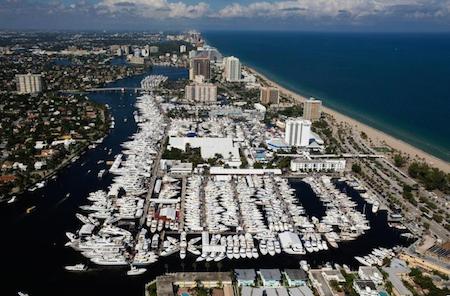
(312, 109)
(298, 132)
(269, 95)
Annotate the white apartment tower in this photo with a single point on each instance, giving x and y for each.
(201, 92)
(29, 83)
(232, 69)
(298, 132)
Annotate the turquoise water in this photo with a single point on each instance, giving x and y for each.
(398, 83)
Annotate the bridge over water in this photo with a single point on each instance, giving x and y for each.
(112, 89)
(103, 89)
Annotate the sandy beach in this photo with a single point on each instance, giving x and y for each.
(377, 136)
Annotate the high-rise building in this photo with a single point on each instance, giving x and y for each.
(200, 65)
(232, 69)
(312, 109)
(29, 83)
(269, 95)
(298, 132)
(201, 92)
(182, 48)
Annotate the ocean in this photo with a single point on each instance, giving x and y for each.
(397, 83)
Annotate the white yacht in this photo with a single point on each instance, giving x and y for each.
(136, 271)
(77, 267)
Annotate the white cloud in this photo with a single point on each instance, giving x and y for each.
(158, 9)
(335, 8)
(354, 10)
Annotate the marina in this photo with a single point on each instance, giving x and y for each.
(240, 223)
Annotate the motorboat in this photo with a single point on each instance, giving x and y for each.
(304, 265)
(77, 267)
(136, 271)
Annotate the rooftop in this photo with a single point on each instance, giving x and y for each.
(296, 274)
(270, 274)
(245, 274)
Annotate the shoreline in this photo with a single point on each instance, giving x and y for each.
(374, 134)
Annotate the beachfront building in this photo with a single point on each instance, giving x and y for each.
(318, 165)
(201, 92)
(200, 65)
(29, 83)
(298, 132)
(312, 109)
(269, 95)
(232, 69)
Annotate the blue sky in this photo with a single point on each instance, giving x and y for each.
(310, 15)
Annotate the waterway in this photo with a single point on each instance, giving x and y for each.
(32, 245)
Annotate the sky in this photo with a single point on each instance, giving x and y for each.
(302, 15)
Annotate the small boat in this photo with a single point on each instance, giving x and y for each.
(136, 271)
(101, 173)
(71, 236)
(220, 257)
(13, 199)
(77, 267)
(31, 209)
(22, 294)
(362, 261)
(304, 265)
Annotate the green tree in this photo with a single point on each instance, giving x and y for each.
(356, 168)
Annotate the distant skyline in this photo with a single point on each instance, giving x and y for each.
(309, 15)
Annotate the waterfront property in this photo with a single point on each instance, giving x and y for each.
(270, 277)
(396, 271)
(365, 288)
(295, 277)
(245, 277)
(166, 283)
